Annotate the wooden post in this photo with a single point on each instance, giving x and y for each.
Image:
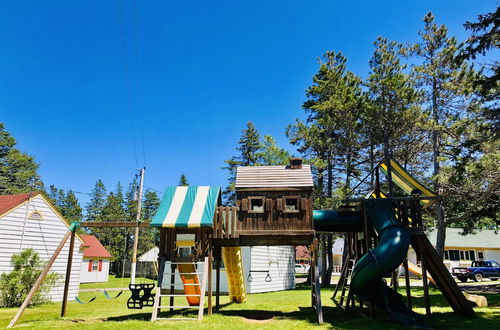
(39, 281)
(407, 283)
(203, 290)
(210, 259)
(136, 233)
(217, 286)
(424, 279)
(68, 273)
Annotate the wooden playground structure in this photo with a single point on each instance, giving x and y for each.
(273, 206)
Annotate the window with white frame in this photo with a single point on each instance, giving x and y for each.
(95, 265)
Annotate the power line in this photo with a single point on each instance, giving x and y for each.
(138, 76)
(127, 78)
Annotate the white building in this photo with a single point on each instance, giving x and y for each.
(95, 265)
(30, 221)
(460, 250)
(258, 262)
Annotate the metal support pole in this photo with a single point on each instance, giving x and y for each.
(136, 233)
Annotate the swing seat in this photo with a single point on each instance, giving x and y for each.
(78, 300)
(148, 298)
(108, 296)
(135, 300)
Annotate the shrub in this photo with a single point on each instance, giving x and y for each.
(15, 286)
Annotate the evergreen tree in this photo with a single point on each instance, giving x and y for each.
(149, 237)
(114, 239)
(183, 181)
(442, 80)
(97, 201)
(271, 154)
(70, 208)
(18, 171)
(248, 147)
(394, 115)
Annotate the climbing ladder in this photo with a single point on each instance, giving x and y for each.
(158, 302)
(343, 285)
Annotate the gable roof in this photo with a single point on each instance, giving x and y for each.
(187, 207)
(486, 239)
(8, 202)
(94, 248)
(273, 176)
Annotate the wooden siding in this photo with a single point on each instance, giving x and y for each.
(94, 276)
(43, 236)
(273, 176)
(279, 260)
(274, 218)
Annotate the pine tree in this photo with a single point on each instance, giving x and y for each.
(394, 115)
(18, 171)
(149, 237)
(70, 208)
(271, 154)
(441, 78)
(248, 147)
(183, 181)
(97, 201)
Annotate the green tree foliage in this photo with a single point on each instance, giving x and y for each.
(18, 171)
(97, 201)
(15, 285)
(252, 151)
(395, 113)
(66, 203)
(332, 138)
(443, 80)
(149, 237)
(183, 181)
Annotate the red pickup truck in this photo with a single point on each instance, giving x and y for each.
(478, 271)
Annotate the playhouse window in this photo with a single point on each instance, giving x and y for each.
(292, 204)
(256, 204)
(95, 266)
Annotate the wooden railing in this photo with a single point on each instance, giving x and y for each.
(225, 222)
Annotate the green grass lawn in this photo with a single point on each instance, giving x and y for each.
(290, 309)
(115, 282)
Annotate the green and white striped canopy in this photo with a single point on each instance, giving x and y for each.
(187, 207)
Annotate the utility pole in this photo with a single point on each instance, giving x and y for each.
(136, 233)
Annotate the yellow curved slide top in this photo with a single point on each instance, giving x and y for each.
(404, 180)
(233, 262)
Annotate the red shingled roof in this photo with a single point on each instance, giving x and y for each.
(95, 249)
(8, 202)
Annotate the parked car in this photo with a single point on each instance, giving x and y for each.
(301, 268)
(478, 271)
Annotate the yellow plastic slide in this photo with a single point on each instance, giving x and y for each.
(191, 283)
(414, 269)
(233, 262)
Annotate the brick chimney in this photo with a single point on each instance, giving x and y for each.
(295, 163)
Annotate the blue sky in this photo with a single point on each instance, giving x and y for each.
(197, 72)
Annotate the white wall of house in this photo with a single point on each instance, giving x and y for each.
(43, 235)
(94, 275)
(279, 260)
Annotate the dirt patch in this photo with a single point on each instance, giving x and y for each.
(258, 318)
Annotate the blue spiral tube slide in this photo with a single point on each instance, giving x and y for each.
(368, 273)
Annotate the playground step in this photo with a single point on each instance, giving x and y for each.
(180, 295)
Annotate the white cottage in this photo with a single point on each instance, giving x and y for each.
(30, 221)
(95, 265)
